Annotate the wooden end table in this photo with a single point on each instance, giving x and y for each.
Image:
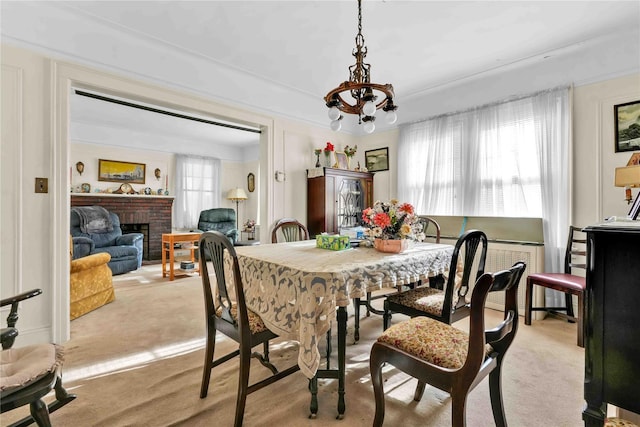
(187, 241)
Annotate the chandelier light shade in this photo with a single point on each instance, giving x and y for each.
(358, 95)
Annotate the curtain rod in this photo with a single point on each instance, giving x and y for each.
(159, 111)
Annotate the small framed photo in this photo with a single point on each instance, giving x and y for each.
(627, 121)
(341, 160)
(377, 160)
(86, 188)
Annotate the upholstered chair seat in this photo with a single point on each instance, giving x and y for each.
(618, 422)
(430, 340)
(256, 325)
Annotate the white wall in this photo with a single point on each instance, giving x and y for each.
(34, 243)
(594, 159)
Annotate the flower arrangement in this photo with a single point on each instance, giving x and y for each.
(392, 221)
(249, 225)
(349, 151)
(329, 147)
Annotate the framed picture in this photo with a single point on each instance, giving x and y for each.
(251, 182)
(116, 171)
(86, 188)
(627, 120)
(377, 160)
(341, 160)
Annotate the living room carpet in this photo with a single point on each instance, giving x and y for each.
(138, 362)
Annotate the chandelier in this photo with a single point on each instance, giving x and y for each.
(363, 94)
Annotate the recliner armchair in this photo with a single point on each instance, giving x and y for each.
(219, 219)
(125, 249)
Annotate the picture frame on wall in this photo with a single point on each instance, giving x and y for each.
(341, 160)
(377, 160)
(627, 123)
(117, 171)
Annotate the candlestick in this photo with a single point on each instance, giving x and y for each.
(166, 185)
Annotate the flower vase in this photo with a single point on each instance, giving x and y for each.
(327, 159)
(318, 160)
(394, 246)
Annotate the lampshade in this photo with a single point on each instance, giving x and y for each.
(237, 194)
(628, 176)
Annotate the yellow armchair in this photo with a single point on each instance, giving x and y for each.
(91, 284)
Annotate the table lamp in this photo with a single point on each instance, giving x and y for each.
(237, 194)
(627, 177)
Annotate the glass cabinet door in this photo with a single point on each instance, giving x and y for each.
(350, 203)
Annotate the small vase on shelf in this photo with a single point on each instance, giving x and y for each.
(327, 159)
(318, 160)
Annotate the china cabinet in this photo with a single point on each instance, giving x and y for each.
(336, 199)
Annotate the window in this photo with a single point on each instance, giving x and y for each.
(197, 188)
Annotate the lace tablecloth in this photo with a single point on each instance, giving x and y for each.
(296, 287)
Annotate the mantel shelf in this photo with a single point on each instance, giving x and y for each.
(128, 196)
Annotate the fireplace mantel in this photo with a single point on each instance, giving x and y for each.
(133, 210)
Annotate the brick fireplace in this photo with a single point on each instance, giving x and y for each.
(150, 215)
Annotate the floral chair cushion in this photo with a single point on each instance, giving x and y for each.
(618, 422)
(429, 300)
(430, 340)
(256, 325)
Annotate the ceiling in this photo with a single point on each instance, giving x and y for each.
(282, 57)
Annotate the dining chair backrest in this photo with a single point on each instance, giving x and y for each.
(431, 227)
(212, 246)
(291, 230)
(576, 251)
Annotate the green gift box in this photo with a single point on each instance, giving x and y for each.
(333, 243)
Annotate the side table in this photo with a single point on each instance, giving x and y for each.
(186, 241)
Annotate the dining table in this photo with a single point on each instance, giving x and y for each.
(299, 290)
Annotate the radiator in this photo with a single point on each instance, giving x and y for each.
(501, 256)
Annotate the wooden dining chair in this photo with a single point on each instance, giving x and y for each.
(233, 319)
(291, 230)
(566, 282)
(448, 358)
(29, 373)
(431, 228)
(449, 304)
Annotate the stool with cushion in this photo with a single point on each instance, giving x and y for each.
(29, 373)
(448, 358)
(566, 282)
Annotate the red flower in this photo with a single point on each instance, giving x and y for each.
(382, 220)
(329, 147)
(365, 215)
(406, 207)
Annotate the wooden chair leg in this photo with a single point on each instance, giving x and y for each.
(208, 363)
(458, 409)
(581, 319)
(356, 315)
(40, 413)
(528, 302)
(569, 303)
(417, 396)
(495, 392)
(386, 317)
(243, 385)
(375, 366)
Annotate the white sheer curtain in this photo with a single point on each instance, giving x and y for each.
(505, 159)
(197, 188)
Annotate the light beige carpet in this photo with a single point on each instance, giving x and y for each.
(138, 362)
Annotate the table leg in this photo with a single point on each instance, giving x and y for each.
(342, 353)
(338, 374)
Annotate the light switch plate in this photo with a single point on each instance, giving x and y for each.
(42, 185)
